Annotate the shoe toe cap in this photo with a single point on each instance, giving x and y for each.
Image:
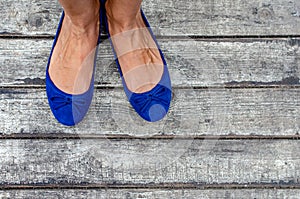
(152, 106)
(68, 110)
(65, 115)
(156, 112)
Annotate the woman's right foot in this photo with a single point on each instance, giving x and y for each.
(140, 61)
(72, 61)
(138, 55)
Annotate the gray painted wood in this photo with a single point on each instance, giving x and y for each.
(152, 194)
(141, 161)
(193, 112)
(191, 62)
(214, 62)
(168, 17)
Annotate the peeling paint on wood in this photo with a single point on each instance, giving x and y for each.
(191, 62)
(140, 162)
(235, 69)
(168, 17)
(150, 194)
(193, 112)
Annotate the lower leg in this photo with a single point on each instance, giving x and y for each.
(125, 14)
(81, 12)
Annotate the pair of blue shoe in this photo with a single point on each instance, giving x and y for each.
(70, 109)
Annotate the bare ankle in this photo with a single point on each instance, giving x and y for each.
(85, 19)
(120, 22)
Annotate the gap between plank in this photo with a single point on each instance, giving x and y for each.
(169, 37)
(48, 136)
(225, 86)
(173, 186)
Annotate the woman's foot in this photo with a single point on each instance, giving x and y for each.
(72, 61)
(139, 58)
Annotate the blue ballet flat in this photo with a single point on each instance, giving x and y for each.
(68, 109)
(152, 105)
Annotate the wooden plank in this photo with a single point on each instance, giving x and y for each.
(150, 194)
(195, 17)
(194, 112)
(191, 62)
(147, 162)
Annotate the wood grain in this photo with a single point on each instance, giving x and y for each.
(235, 70)
(193, 112)
(192, 63)
(195, 17)
(150, 194)
(100, 161)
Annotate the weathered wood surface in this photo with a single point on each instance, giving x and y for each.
(168, 17)
(191, 62)
(225, 52)
(193, 112)
(101, 161)
(151, 194)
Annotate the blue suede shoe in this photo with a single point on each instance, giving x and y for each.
(152, 105)
(68, 109)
